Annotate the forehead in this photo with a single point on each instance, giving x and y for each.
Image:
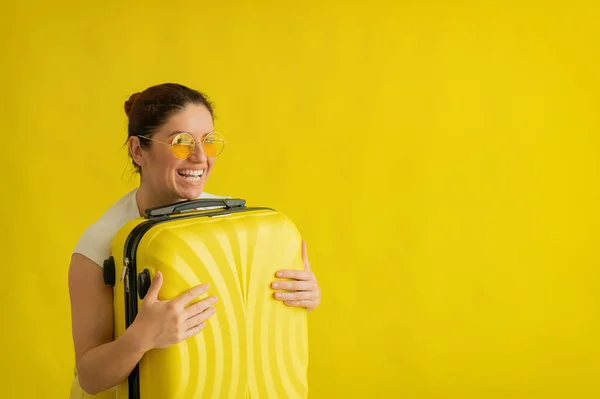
(193, 119)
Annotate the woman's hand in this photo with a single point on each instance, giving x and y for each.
(304, 290)
(160, 324)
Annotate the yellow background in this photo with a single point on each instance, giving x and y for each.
(440, 157)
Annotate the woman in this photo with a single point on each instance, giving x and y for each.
(157, 116)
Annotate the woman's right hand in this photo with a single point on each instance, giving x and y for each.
(160, 324)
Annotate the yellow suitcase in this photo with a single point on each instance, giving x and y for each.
(254, 346)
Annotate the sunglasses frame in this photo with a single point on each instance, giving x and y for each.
(172, 143)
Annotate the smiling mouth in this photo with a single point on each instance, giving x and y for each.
(190, 175)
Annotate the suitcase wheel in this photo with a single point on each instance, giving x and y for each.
(109, 271)
(143, 283)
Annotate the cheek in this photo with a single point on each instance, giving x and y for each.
(173, 163)
(211, 162)
(164, 164)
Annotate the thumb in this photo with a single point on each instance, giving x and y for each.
(305, 255)
(152, 294)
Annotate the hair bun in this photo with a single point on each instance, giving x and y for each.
(129, 103)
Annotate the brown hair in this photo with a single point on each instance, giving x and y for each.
(149, 110)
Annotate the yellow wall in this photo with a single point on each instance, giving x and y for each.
(441, 158)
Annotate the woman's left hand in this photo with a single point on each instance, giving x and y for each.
(304, 291)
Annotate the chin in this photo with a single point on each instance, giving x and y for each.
(191, 194)
(190, 188)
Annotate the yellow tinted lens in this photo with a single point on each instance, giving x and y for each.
(213, 144)
(183, 145)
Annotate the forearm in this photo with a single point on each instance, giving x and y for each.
(109, 364)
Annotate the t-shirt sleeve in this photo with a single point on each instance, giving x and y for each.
(94, 244)
(204, 195)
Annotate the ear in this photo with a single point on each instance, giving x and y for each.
(136, 151)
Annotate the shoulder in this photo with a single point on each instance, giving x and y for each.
(95, 242)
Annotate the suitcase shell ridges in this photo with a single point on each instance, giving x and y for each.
(254, 346)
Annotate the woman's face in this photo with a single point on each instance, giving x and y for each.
(168, 177)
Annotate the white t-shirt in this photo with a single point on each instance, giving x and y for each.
(95, 242)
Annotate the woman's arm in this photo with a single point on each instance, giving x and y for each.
(101, 362)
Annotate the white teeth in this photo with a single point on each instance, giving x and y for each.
(189, 172)
(190, 175)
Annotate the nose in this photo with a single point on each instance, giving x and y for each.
(198, 155)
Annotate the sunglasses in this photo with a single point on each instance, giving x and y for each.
(184, 145)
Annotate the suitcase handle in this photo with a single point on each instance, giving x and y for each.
(194, 204)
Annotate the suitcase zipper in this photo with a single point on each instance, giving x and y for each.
(125, 269)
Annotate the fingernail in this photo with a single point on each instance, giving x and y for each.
(279, 274)
(278, 295)
(275, 285)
